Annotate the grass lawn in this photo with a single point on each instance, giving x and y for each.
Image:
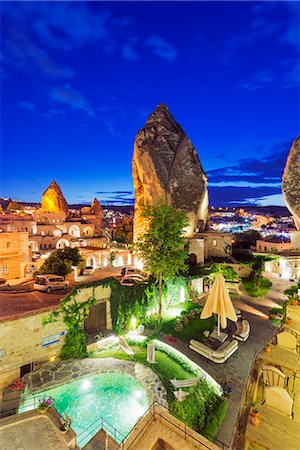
(203, 410)
(193, 330)
(257, 290)
(165, 367)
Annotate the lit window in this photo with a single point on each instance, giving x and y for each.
(2, 353)
(3, 269)
(214, 243)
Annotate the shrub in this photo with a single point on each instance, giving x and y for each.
(74, 345)
(203, 410)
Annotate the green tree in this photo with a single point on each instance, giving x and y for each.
(73, 314)
(163, 248)
(228, 273)
(60, 262)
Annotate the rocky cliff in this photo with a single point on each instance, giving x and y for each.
(166, 166)
(53, 199)
(291, 182)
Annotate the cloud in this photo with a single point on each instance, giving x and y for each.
(74, 99)
(258, 80)
(266, 171)
(128, 51)
(22, 51)
(236, 196)
(27, 105)
(161, 48)
(114, 192)
(116, 197)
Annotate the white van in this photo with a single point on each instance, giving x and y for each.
(48, 283)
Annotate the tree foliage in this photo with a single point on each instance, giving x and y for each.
(73, 315)
(163, 248)
(228, 273)
(60, 262)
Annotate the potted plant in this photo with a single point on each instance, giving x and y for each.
(65, 423)
(294, 301)
(226, 388)
(268, 348)
(254, 414)
(289, 321)
(44, 404)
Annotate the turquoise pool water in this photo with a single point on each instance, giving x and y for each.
(116, 397)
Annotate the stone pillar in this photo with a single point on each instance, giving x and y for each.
(295, 240)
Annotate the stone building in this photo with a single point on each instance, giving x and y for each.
(51, 227)
(14, 254)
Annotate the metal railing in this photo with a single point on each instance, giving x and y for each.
(99, 424)
(184, 430)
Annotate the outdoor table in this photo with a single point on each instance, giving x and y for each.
(222, 338)
(281, 357)
(275, 431)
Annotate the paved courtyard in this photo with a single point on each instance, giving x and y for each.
(235, 370)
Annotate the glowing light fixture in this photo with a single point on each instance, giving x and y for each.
(133, 322)
(182, 295)
(86, 384)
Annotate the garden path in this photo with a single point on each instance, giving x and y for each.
(235, 370)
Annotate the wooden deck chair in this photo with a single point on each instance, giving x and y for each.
(278, 399)
(185, 383)
(126, 347)
(294, 333)
(274, 377)
(287, 341)
(180, 395)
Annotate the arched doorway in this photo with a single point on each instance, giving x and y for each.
(88, 231)
(62, 243)
(74, 231)
(33, 246)
(91, 261)
(57, 233)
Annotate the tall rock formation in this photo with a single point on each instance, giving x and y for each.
(291, 182)
(166, 166)
(53, 200)
(96, 208)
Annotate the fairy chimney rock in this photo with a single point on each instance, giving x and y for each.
(53, 200)
(291, 182)
(166, 166)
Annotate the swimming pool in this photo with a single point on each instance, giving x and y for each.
(118, 398)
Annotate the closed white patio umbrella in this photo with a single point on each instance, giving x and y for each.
(219, 302)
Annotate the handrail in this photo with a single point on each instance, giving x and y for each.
(155, 413)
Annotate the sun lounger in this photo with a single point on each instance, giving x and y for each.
(180, 395)
(185, 383)
(126, 347)
(242, 331)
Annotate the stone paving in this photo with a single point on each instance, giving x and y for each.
(235, 370)
(53, 375)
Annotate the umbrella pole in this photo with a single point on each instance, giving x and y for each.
(218, 324)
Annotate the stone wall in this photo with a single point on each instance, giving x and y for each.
(22, 338)
(216, 244)
(243, 270)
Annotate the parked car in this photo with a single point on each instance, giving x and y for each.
(88, 270)
(132, 279)
(128, 282)
(48, 283)
(128, 270)
(36, 256)
(135, 276)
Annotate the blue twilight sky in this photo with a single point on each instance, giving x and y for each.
(78, 79)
